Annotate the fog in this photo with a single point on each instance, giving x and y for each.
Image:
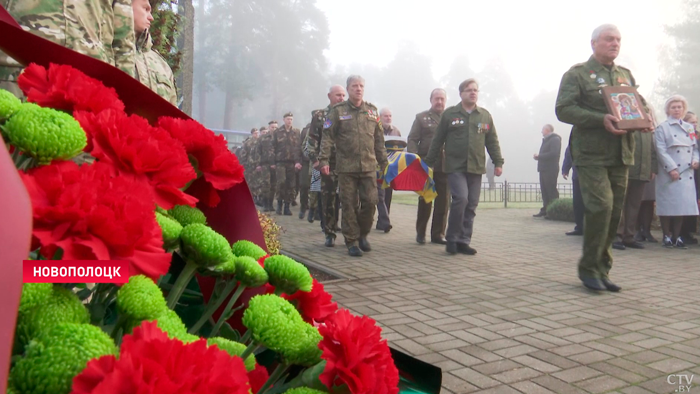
(255, 60)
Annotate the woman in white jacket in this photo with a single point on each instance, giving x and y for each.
(678, 155)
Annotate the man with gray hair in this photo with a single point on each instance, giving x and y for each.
(385, 195)
(548, 167)
(355, 130)
(600, 150)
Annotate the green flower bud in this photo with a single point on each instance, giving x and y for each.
(187, 215)
(9, 104)
(304, 390)
(204, 246)
(287, 275)
(247, 248)
(234, 349)
(171, 230)
(140, 299)
(276, 324)
(45, 134)
(249, 272)
(34, 294)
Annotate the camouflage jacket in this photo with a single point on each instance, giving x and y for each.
(102, 29)
(153, 71)
(358, 137)
(303, 138)
(266, 150)
(313, 139)
(286, 143)
(243, 153)
(254, 152)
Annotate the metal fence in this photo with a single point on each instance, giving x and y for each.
(518, 192)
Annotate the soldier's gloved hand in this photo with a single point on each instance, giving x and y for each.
(674, 175)
(497, 171)
(610, 123)
(297, 166)
(325, 170)
(258, 168)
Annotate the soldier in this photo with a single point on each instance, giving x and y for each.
(265, 159)
(304, 175)
(151, 69)
(244, 154)
(601, 152)
(464, 131)
(287, 160)
(329, 183)
(354, 128)
(104, 32)
(253, 162)
(419, 139)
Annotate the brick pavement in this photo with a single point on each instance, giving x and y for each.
(514, 318)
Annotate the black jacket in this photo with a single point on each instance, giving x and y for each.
(550, 152)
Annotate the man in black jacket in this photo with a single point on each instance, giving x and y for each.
(548, 167)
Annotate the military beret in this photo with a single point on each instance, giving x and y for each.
(288, 115)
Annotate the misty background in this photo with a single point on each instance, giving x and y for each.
(254, 60)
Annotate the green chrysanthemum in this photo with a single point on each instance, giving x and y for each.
(34, 294)
(171, 230)
(140, 299)
(187, 215)
(247, 248)
(276, 324)
(45, 134)
(226, 268)
(249, 272)
(9, 104)
(287, 275)
(304, 390)
(204, 246)
(62, 306)
(234, 349)
(54, 359)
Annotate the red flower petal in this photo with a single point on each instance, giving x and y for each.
(315, 305)
(257, 378)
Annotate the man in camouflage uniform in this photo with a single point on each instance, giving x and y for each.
(91, 27)
(355, 130)
(329, 183)
(601, 152)
(304, 175)
(264, 161)
(151, 69)
(287, 160)
(253, 162)
(244, 154)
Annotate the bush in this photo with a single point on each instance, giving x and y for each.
(561, 210)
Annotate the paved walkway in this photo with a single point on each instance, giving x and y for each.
(514, 318)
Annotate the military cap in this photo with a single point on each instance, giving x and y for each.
(288, 115)
(271, 122)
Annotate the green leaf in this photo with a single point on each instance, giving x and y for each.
(228, 332)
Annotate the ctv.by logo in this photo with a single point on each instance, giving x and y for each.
(684, 382)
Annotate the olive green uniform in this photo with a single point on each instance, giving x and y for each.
(287, 154)
(357, 135)
(304, 174)
(329, 183)
(600, 157)
(265, 151)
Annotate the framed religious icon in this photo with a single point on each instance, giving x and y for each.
(625, 103)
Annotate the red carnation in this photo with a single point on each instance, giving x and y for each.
(92, 216)
(66, 88)
(219, 166)
(257, 378)
(356, 355)
(150, 362)
(136, 149)
(315, 305)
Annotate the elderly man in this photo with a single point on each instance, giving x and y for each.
(601, 151)
(548, 167)
(329, 183)
(385, 195)
(419, 139)
(465, 131)
(354, 128)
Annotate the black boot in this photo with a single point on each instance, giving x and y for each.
(310, 218)
(302, 213)
(279, 207)
(287, 212)
(266, 204)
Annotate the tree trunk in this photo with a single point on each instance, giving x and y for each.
(229, 111)
(188, 58)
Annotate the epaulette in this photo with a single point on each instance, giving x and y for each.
(370, 104)
(339, 104)
(578, 65)
(625, 68)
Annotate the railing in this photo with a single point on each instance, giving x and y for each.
(518, 192)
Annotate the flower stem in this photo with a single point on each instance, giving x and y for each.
(213, 306)
(249, 350)
(181, 283)
(273, 378)
(228, 307)
(246, 337)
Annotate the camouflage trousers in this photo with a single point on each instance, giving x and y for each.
(267, 182)
(286, 178)
(8, 80)
(358, 194)
(329, 203)
(304, 185)
(314, 199)
(603, 191)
